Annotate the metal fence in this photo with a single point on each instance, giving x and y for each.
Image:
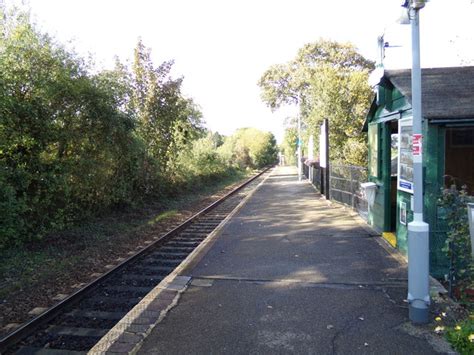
(345, 187)
(344, 183)
(315, 177)
(439, 261)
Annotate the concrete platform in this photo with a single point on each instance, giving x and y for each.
(291, 274)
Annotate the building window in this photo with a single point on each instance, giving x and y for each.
(459, 164)
(462, 137)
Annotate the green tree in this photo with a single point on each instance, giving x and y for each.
(250, 147)
(166, 121)
(289, 144)
(327, 80)
(217, 139)
(202, 160)
(73, 144)
(61, 133)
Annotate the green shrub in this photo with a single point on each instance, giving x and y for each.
(249, 147)
(461, 337)
(12, 208)
(74, 144)
(458, 243)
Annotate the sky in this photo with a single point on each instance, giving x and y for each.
(222, 47)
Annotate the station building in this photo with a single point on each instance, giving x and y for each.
(448, 151)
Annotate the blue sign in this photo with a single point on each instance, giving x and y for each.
(406, 185)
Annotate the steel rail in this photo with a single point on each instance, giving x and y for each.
(31, 326)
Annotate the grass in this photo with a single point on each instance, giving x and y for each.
(24, 266)
(20, 268)
(161, 217)
(461, 336)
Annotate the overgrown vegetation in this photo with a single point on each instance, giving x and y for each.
(329, 80)
(289, 145)
(458, 242)
(75, 143)
(458, 248)
(27, 267)
(461, 337)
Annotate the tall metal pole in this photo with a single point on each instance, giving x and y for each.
(299, 148)
(418, 230)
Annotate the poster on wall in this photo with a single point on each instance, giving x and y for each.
(405, 155)
(403, 213)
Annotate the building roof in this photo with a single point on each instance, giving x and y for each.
(446, 92)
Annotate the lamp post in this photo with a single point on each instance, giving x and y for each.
(418, 230)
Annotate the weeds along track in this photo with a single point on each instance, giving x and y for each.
(77, 323)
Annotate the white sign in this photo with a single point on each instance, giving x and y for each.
(403, 213)
(405, 155)
(322, 146)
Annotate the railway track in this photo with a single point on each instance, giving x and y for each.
(77, 323)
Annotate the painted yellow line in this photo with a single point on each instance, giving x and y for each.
(391, 238)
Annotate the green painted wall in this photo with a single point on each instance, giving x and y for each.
(394, 107)
(392, 103)
(433, 169)
(402, 231)
(377, 214)
(404, 197)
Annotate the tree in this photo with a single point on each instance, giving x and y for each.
(166, 120)
(217, 139)
(73, 143)
(249, 147)
(289, 144)
(61, 134)
(327, 80)
(202, 160)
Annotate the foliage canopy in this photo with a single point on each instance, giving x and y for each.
(74, 144)
(326, 79)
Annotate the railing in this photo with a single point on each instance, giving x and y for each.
(344, 183)
(345, 187)
(316, 177)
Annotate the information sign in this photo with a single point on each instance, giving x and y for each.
(405, 155)
(417, 145)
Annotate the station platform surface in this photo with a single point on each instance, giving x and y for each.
(290, 273)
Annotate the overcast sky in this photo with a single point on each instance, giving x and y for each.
(222, 47)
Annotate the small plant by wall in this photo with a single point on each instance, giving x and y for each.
(458, 242)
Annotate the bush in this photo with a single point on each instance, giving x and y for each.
(74, 144)
(249, 147)
(458, 243)
(461, 337)
(12, 208)
(202, 160)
